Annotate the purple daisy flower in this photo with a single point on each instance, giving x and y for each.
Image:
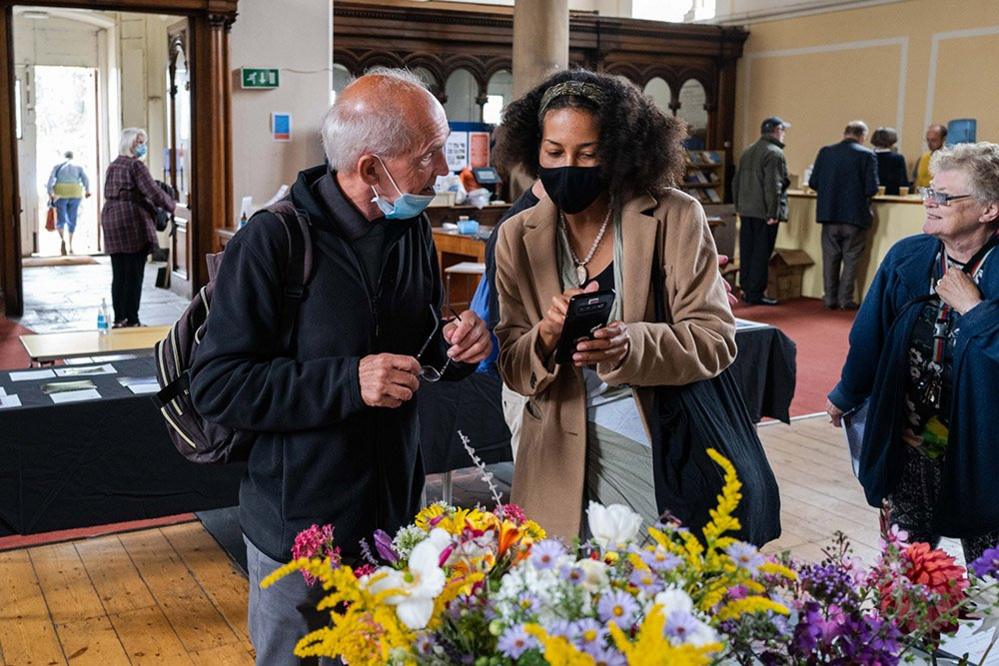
(660, 559)
(528, 603)
(617, 606)
(680, 625)
(646, 581)
(588, 632)
(746, 556)
(545, 554)
(515, 641)
(572, 574)
(605, 656)
(424, 645)
(559, 627)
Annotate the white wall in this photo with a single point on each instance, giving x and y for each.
(290, 35)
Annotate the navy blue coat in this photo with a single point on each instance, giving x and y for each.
(846, 176)
(877, 368)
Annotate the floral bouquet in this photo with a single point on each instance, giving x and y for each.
(471, 586)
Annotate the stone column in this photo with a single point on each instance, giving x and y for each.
(540, 41)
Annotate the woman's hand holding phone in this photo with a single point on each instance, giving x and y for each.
(550, 328)
(609, 345)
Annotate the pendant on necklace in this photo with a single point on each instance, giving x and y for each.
(581, 274)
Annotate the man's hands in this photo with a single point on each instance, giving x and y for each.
(835, 413)
(468, 337)
(388, 380)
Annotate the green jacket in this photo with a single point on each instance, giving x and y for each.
(760, 185)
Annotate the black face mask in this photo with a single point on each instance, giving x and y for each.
(572, 188)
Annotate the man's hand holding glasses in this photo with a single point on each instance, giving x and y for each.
(467, 336)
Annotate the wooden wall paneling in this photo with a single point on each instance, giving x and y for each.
(10, 200)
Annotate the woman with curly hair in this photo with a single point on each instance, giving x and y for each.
(607, 158)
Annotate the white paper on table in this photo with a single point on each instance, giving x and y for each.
(9, 401)
(75, 396)
(117, 357)
(106, 369)
(3, 391)
(83, 360)
(140, 385)
(27, 375)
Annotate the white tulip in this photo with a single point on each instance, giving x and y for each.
(613, 527)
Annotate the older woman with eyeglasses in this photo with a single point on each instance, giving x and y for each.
(924, 355)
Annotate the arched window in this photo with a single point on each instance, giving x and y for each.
(692, 111)
(462, 90)
(660, 93)
(499, 93)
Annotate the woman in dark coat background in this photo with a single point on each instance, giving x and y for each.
(129, 227)
(891, 165)
(924, 353)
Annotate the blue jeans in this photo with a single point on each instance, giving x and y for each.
(280, 615)
(67, 209)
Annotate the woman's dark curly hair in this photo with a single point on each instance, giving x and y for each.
(640, 147)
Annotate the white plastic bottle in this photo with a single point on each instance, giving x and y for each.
(103, 321)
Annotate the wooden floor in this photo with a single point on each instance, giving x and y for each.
(170, 595)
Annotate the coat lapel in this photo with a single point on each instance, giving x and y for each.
(638, 231)
(539, 242)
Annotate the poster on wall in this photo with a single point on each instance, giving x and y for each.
(478, 149)
(281, 126)
(456, 150)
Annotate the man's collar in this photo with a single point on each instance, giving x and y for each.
(773, 140)
(350, 222)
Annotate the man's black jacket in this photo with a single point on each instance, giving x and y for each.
(322, 456)
(845, 176)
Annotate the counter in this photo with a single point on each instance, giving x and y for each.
(895, 217)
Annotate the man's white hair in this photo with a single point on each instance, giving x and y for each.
(128, 137)
(379, 130)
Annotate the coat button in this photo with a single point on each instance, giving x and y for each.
(534, 380)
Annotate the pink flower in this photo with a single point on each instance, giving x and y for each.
(316, 542)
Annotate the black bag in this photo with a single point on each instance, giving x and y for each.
(197, 439)
(709, 414)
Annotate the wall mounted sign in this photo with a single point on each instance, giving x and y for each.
(281, 126)
(258, 78)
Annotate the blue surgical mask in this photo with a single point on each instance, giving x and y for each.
(140, 150)
(405, 206)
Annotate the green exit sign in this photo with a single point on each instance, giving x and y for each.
(259, 77)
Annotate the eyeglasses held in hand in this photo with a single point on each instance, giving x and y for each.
(940, 198)
(428, 372)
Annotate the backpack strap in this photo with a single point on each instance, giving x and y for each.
(296, 226)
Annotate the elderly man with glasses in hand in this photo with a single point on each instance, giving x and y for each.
(924, 356)
(335, 416)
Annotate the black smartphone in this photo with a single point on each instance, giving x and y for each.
(586, 314)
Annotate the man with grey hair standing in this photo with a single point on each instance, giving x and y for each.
(335, 415)
(760, 193)
(846, 177)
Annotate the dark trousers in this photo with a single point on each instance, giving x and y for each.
(842, 245)
(756, 244)
(127, 269)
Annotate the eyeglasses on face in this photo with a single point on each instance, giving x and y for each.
(940, 198)
(429, 373)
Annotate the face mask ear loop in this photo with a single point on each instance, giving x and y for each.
(389, 174)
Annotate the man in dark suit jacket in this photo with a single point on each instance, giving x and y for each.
(845, 176)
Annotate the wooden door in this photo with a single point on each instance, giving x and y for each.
(179, 154)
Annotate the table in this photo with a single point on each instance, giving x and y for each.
(101, 461)
(49, 347)
(465, 270)
(488, 216)
(454, 248)
(764, 369)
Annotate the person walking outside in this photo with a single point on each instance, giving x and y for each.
(68, 185)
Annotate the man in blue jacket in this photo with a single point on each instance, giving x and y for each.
(845, 176)
(336, 422)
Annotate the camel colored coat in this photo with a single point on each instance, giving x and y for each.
(698, 344)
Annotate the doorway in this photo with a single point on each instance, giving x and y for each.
(66, 120)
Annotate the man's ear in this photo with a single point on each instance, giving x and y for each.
(991, 213)
(367, 169)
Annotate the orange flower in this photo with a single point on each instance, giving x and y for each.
(508, 536)
(938, 572)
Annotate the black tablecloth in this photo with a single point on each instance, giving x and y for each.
(110, 460)
(764, 369)
(101, 461)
